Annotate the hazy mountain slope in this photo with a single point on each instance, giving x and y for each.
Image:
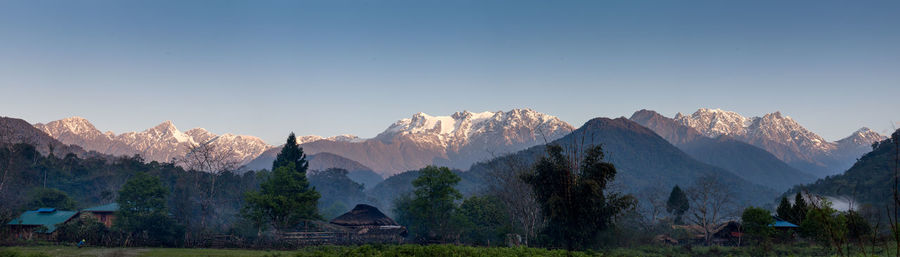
(643, 159)
(14, 131)
(162, 143)
(869, 180)
(744, 160)
(783, 137)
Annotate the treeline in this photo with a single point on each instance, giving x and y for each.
(191, 205)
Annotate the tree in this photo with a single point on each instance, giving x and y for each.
(213, 159)
(51, 198)
(573, 196)
(757, 223)
(677, 204)
(430, 213)
(785, 211)
(143, 213)
(285, 197)
(486, 220)
(291, 153)
(710, 200)
(504, 181)
(799, 210)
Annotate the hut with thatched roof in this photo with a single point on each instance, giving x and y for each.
(370, 225)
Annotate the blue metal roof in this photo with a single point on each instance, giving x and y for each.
(47, 217)
(112, 207)
(783, 224)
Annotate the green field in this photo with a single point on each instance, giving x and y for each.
(418, 250)
(365, 250)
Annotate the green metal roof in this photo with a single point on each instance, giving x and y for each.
(45, 217)
(111, 207)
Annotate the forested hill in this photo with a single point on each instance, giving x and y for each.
(869, 180)
(644, 160)
(744, 160)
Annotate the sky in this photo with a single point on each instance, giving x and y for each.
(266, 68)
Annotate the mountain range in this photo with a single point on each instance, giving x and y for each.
(644, 160)
(784, 138)
(464, 138)
(744, 160)
(456, 141)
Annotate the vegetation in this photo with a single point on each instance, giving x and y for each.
(574, 198)
(677, 204)
(143, 214)
(285, 198)
(431, 212)
(339, 193)
(51, 198)
(757, 225)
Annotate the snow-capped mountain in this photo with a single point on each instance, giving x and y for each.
(785, 138)
(162, 143)
(457, 141)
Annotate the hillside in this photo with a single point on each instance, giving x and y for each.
(744, 160)
(644, 160)
(869, 180)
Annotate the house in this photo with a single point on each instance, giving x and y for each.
(367, 224)
(104, 213)
(40, 223)
(726, 233)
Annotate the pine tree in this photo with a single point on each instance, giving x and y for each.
(800, 209)
(291, 153)
(677, 204)
(285, 198)
(785, 211)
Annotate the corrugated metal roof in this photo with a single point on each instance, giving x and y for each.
(112, 207)
(44, 217)
(784, 224)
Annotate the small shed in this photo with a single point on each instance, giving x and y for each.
(104, 213)
(40, 223)
(370, 225)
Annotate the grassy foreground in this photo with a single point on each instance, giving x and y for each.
(364, 250)
(419, 250)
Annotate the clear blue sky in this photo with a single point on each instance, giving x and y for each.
(266, 68)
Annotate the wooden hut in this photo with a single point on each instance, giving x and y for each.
(105, 214)
(369, 225)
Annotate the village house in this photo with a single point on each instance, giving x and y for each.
(39, 224)
(367, 224)
(104, 213)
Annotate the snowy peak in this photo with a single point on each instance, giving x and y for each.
(463, 128)
(863, 137)
(715, 122)
(163, 142)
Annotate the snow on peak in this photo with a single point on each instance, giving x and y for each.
(460, 127)
(863, 136)
(346, 138)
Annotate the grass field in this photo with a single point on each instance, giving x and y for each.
(418, 250)
(365, 250)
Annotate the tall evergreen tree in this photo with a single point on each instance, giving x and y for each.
(677, 204)
(291, 153)
(785, 211)
(800, 209)
(285, 198)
